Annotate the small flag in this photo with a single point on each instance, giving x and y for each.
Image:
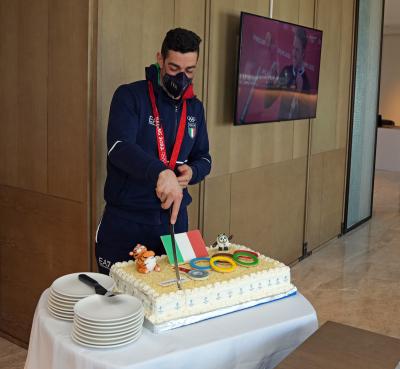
(189, 245)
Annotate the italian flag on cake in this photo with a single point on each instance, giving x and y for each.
(189, 245)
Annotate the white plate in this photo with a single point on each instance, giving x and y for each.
(104, 338)
(59, 316)
(62, 313)
(108, 326)
(61, 307)
(104, 346)
(62, 300)
(106, 342)
(71, 287)
(110, 334)
(65, 298)
(98, 308)
(117, 328)
(100, 323)
(110, 330)
(68, 313)
(67, 309)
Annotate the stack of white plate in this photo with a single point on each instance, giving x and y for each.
(67, 290)
(106, 322)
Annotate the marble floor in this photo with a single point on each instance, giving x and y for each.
(353, 280)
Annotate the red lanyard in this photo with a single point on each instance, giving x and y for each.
(162, 152)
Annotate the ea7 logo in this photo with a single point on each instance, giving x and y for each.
(151, 120)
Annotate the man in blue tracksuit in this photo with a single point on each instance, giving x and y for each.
(157, 145)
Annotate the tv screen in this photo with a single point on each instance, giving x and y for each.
(278, 71)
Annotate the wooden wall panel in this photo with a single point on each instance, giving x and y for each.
(23, 96)
(252, 148)
(9, 92)
(44, 152)
(300, 138)
(345, 75)
(193, 208)
(267, 208)
(119, 40)
(68, 143)
(326, 192)
(286, 10)
(217, 207)
(301, 127)
(256, 156)
(129, 35)
(191, 15)
(324, 127)
(41, 238)
(329, 129)
(306, 12)
(237, 148)
(332, 194)
(314, 203)
(297, 12)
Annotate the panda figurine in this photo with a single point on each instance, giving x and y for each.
(223, 242)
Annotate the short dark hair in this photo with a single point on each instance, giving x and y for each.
(181, 40)
(302, 36)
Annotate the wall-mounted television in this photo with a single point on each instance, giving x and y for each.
(278, 71)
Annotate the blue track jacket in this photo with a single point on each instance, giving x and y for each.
(133, 164)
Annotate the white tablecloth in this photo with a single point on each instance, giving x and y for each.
(258, 337)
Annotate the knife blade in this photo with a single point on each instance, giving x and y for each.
(172, 231)
(100, 290)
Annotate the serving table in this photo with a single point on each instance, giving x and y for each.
(258, 337)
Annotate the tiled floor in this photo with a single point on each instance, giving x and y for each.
(11, 356)
(353, 280)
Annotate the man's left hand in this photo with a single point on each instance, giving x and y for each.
(185, 175)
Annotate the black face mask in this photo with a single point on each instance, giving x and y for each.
(176, 85)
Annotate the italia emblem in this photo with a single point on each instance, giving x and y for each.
(191, 121)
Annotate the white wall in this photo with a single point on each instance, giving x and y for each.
(390, 78)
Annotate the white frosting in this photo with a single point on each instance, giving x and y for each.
(162, 307)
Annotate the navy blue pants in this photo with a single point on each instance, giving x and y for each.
(117, 236)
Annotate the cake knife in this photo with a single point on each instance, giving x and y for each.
(172, 231)
(100, 290)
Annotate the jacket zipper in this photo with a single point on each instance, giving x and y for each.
(176, 122)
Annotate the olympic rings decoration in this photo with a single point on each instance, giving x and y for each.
(239, 256)
(220, 269)
(194, 265)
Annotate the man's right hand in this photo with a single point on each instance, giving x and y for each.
(169, 192)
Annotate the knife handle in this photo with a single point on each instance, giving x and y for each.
(88, 280)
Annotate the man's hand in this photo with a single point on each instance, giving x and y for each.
(169, 192)
(185, 175)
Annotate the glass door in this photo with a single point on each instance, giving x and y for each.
(362, 135)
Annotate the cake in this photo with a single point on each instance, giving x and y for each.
(269, 279)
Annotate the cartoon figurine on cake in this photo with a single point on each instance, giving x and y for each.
(145, 259)
(223, 242)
